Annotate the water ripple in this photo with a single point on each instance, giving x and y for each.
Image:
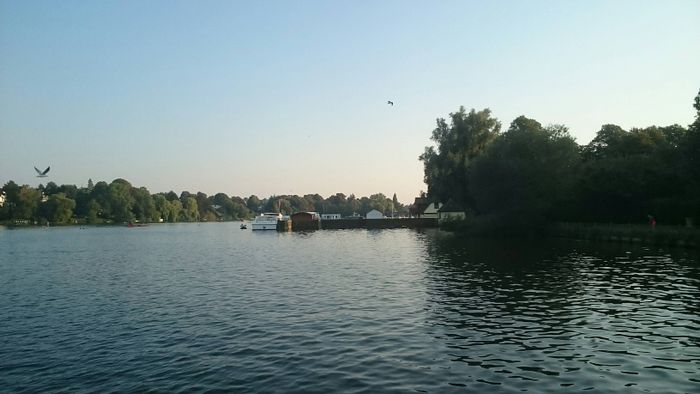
(210, 308)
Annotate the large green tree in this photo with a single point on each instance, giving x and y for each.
(690, 152)
(144, 209)
(51, 188)
(627, 175)
(171, 195)
(458, 144)
(121, 200)
(11, 190)
(161, 204)
(526, 175)
(101, 195)
(92, 214)
(253, 203)
(58, 208)
(27, 203)
(204, 205)
(174, 211)
(190, 210)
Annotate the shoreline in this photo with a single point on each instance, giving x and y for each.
(670, 236)
(673, 236)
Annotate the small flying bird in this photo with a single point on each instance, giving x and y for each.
(42, 174)
(390, 103)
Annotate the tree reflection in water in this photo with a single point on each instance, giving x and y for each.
(575, 313)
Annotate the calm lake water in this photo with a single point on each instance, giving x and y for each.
(209, 307)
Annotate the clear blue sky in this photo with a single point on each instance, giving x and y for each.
(283, 97)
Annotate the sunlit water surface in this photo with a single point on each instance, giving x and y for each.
(210, 307)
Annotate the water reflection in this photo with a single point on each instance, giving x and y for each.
(564, 314)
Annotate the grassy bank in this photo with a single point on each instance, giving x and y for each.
(677, 236)
(633, 233)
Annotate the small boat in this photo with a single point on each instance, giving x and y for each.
(243, 226)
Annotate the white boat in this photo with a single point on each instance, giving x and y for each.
(266, 221)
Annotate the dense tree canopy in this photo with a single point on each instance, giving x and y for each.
(628, 175)
(121, 202)
(526, 174)
(58, 208)
(532, 174)
(690, 153)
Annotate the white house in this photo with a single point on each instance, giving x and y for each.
(330, 216)
(374, 214)
(451, 211)
(2, 199)
(431, 211)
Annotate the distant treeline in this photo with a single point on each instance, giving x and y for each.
(120, 202)
(531, 174)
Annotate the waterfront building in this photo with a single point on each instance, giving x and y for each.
(302, 221)
(431, 211)
(451, 211)
(374, 214)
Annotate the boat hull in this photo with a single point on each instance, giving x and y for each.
(264, 226)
